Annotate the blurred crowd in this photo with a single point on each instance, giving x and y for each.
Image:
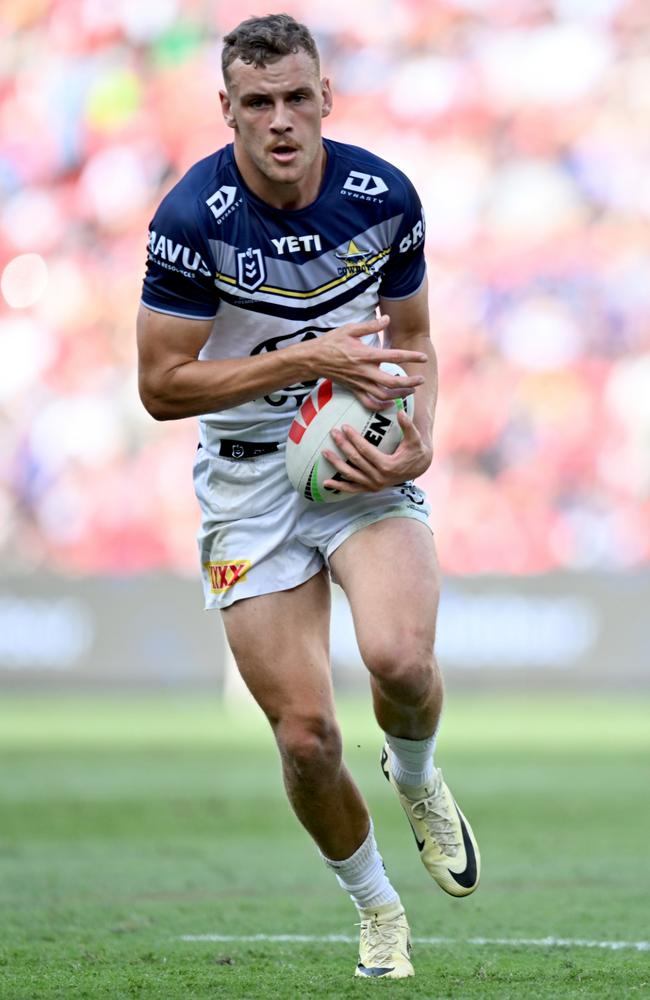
(523, 124)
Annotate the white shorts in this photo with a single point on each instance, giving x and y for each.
(259, 536)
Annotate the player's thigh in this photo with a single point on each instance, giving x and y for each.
(389, 572)
(280, 642)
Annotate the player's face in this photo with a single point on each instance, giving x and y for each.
(276, 112)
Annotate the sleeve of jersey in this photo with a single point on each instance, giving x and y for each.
(404, 273)
(179, 280)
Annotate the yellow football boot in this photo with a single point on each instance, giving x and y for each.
(385, 944)
(447, 846)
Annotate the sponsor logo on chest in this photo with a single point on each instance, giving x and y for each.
(297, 244)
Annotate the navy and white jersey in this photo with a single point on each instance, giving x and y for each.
(270, 278)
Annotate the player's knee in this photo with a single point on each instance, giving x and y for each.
(310, 744)
(406, 666)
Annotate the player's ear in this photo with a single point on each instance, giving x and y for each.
(226, 109)
(326, 94)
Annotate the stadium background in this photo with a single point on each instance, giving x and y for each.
(131, 791)
(524, 126)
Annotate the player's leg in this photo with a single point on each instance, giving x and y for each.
(281, 645)
(390, 575)
(267, 582)
(280, 642)
(389, 572)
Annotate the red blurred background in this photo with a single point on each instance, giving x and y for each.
(523, 124)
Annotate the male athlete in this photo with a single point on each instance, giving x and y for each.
(268, 262)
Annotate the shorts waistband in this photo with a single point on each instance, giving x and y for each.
(231, 448)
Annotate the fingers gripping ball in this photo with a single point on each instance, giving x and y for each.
(330, 406)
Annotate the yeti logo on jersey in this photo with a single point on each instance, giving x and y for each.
(251, 272)
(297, 244)
(300, 390)
(221, 200)
(364, 185)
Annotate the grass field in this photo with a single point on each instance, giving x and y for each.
(126, 826)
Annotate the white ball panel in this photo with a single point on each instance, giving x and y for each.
(310, 434)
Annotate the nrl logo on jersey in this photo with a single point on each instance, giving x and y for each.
(365, 187)
(251, 272)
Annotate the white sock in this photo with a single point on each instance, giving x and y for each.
(411, 761)
(363, 875)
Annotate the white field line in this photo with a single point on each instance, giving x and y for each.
(547, 942)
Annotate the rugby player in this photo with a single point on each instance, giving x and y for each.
(278, 260)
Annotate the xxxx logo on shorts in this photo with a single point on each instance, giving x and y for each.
(224, 575)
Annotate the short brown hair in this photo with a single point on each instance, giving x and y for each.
(260, 40)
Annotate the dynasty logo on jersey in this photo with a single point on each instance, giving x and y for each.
(364, 186)
(222, 202)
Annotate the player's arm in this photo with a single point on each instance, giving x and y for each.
(409, 330)
(174, 383)
(372, 470)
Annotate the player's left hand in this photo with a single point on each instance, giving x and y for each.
(368, 470)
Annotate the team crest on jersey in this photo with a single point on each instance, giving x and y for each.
(251, 272)
(354, 258)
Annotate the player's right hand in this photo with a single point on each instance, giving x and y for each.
(342, 356)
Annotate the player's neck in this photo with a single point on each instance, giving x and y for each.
(291, 197)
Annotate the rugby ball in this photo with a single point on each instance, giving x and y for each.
(328, 406)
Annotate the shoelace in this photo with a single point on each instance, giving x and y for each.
(434, 813)
(381, 941)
